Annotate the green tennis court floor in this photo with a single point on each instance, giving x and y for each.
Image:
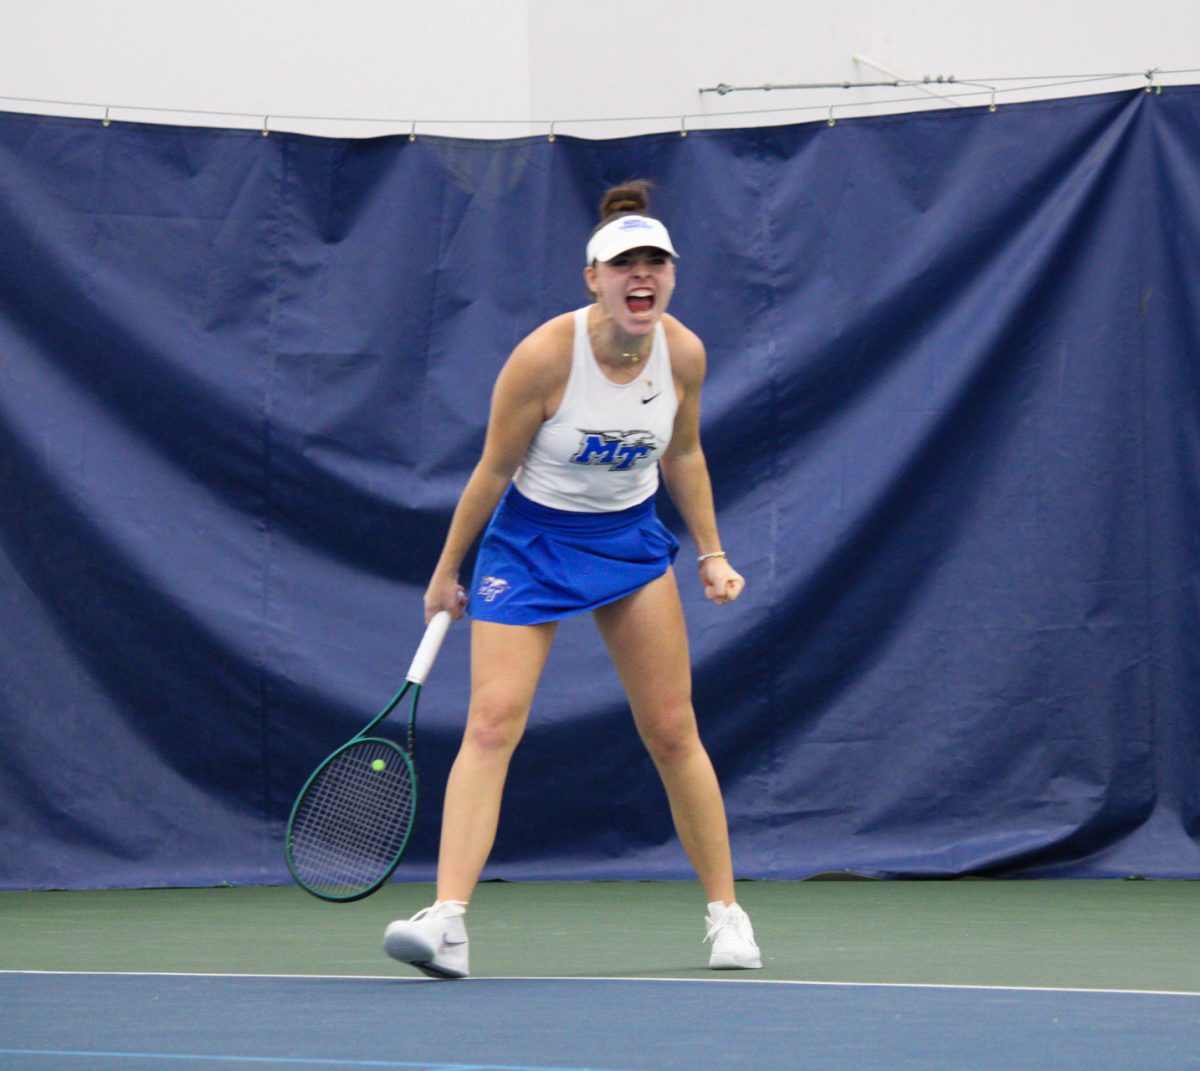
(1111, 935)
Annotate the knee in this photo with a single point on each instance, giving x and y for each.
(671, 736)
(495, 724)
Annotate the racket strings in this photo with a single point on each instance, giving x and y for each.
(354, 820)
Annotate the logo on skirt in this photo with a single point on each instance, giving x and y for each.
(491, 588)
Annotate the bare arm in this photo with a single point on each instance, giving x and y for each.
(527, 381)
(685, 470)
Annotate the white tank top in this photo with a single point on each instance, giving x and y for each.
(599, 452)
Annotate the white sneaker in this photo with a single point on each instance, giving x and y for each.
(433, 940)
(732, 937)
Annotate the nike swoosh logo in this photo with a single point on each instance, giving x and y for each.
(447, 939)
(651, 398)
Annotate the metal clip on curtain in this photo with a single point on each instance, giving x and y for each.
(981, 85)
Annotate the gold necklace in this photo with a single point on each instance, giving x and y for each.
(624, 358)
(630, 357)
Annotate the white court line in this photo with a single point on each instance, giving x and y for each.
(810, 983)
(281, 1061)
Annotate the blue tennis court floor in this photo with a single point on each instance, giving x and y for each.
(100, 1022)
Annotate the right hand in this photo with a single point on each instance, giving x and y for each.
(445, 593)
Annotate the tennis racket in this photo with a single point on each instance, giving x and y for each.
(351, 822)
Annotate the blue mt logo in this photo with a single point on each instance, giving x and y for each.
(619, 450)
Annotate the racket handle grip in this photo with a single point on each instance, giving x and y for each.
(431, 643)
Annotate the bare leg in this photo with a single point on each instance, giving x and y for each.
(647, 639)
(506, 662)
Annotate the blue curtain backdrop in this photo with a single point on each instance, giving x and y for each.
(951, 419)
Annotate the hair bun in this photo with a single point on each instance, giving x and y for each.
(632, 196)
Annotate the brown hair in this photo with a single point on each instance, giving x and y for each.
(628, 199)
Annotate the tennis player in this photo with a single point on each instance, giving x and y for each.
(586, 413)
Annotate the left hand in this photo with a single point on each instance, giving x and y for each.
(722, 583)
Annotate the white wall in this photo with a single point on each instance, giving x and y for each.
(508, 68)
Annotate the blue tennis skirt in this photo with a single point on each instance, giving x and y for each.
(537, 563)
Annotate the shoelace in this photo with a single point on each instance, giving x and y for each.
(733, 917)
(435, 906)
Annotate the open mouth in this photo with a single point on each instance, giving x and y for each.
(640, 301)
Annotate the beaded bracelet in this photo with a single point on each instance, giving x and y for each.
(711, 554)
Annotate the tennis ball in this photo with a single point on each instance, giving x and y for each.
(378, 765)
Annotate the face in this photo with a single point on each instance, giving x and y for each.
(633, 288)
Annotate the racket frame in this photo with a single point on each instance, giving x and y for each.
(422, 663)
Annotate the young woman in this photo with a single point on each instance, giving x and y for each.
(585, 414)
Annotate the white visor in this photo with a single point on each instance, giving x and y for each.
(625, 233)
